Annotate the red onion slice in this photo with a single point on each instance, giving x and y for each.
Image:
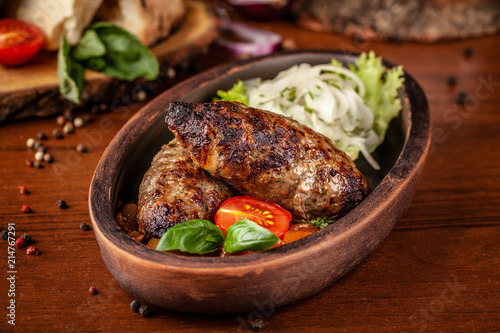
(243, 39)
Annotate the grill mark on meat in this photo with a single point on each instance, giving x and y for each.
(175, 190)
(269, 156)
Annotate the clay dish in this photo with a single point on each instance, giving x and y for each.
(271, 278)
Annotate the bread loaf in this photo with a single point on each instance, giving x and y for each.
(149, 20)
(56, 18)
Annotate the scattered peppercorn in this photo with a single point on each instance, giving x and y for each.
(5, 234)
(29, 163)
(41, 149)
(61, 120)
(32, 250)
(61, 204)
(48, 158)
(144, 311)
(468, 52)
(26, 237)
(84, 226)
(68, 114)
(358, 40)
(30, 143)
(135, 305)
(92, 290)
(23, 189)
(141, 95)
(38, 164)
(20, 242)
(87, 118)
(39, 155)
(171, 73)
(462, 98)
(42, 136)
(57, 133)
(257, 325)
(27, 209)
(37, 145)
(81, 148)
(68, 128)
(78, 122)
(451, 80)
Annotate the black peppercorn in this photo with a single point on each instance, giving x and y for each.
(358, 40)
(84, 226)
(257, 325)
(61, 204)
(5, 234)
(144, 311)
(81, 148)
(468, 51)
(26, 237)
(451, 81)
(462, 98)
(57, 133)
(135, 305)
(37, 145)
(42, 136)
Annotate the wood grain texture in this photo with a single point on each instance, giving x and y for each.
(438, 271)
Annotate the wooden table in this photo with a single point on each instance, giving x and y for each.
(438, 271)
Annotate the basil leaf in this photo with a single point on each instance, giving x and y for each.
(246, 235)
(95, 64)
(195, 236)
(126, 57)
(69, 73)
(90, 46)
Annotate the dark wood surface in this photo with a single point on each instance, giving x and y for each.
(439, 270)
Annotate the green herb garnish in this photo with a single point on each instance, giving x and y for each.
(246, 235)
(321, 222)
(195, 236)
(105, 48)
(202, 236)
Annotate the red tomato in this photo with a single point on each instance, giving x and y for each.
(19, 41)
(266, 214)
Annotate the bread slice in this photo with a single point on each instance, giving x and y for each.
(56, 18)
(149, 20)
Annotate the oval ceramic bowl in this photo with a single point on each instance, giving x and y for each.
(274, 277)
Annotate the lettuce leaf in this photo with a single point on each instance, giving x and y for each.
(238, 93)
(381, 95)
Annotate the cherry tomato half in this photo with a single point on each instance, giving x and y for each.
(266, 214)
(19, 41)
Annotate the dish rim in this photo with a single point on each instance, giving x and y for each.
(101, 194)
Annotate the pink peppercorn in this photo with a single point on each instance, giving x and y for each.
(23, 189)
(20, 242)
(27, 209)
(32, 250)
(92, 290)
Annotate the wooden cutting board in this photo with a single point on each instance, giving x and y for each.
(32, 90)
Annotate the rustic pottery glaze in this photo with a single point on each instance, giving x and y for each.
(265, 280)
